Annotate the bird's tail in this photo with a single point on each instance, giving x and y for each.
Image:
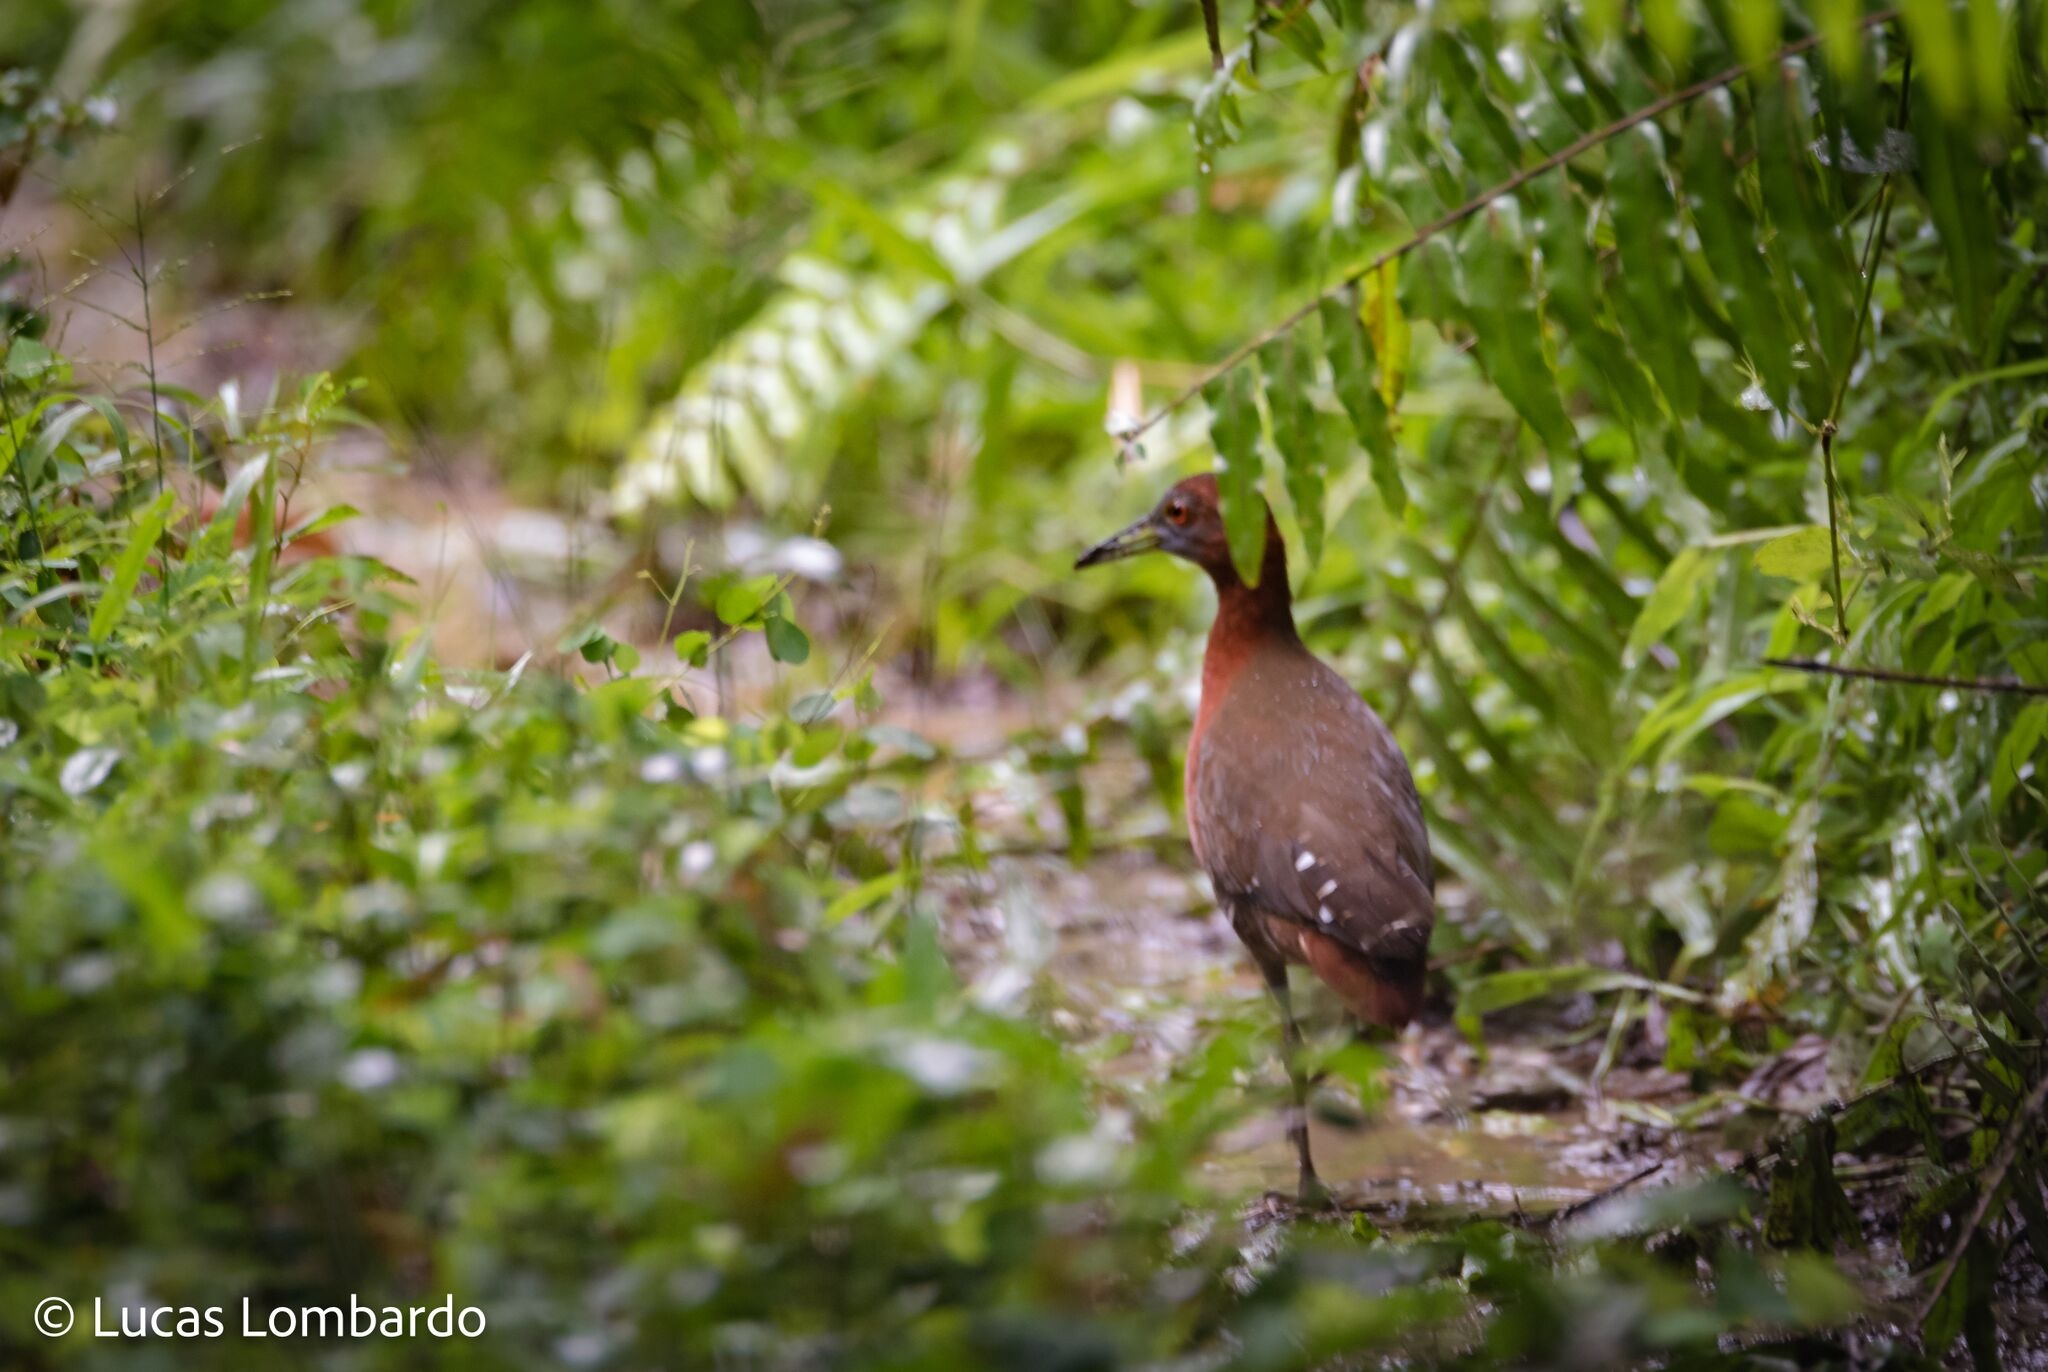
(1379, 991)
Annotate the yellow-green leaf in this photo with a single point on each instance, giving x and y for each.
(128, 571)
(1802, 555)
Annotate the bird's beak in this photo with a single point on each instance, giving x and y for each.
(1141, 537)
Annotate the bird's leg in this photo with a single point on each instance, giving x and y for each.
(1310, 1193)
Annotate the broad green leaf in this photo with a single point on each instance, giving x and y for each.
(1670, 26)
(1952, 177)
(1941, 597)
(1296, 435)
(1689, 711)
(1841, 37)
(324, 520)
(1733, 243)
(1676, 594)
(817, 745)
(1803, 555)
(742, 601)
(1651, 281)
(220, 529)
(1938, 57)
(47, 441)
(1806, 231)
(1502, 305)
(1480, 131)
(1571, 281)
(1502, 659)
(1757, 25)
(855, 899)
(1351, 375)
(2022, 741)
(1990, 48)
(142, 540)
(1296, 26)
(1502, 990)
(787, 642)
(1234, 429)
(28, 358)
(1386, 328)
(693, 647)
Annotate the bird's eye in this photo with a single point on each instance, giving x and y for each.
(1177, 512)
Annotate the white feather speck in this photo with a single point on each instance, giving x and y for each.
(1328, 887)
(1305, 861)
(1323, 914)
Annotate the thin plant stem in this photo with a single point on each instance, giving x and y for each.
(156, 422)
(1867, 260)
(1997, 684)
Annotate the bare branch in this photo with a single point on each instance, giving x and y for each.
(2005, 685)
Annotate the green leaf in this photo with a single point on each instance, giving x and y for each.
(1351, 373)
(694, 647)
(1803, 555)
(1938, 54)
(786, 641)
(27, 357)
(1674, 597)
(1501, 990)
(741, 602)
(1690, 711)
(2017, 749)
(858, 898)
(326, 519)
(1234, 428)
(1297, 28)
(48, 440)
(1952, 176)
(142, 542)
(1296, 435)
(817, 745)
(1733, 243)
(1806, 236)
(812, 708)
(1651, 281)
(1571, 281)
(1501, 300)
(220, 529)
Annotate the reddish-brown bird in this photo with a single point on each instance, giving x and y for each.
(1299, 801)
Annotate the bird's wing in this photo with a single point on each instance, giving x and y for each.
(1330, 832)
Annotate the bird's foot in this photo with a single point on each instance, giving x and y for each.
(1311, 1195)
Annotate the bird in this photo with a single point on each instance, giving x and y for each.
(1300, 804)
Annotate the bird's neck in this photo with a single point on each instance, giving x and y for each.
(1249, 620)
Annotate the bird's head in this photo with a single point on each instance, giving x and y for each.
(1187, 522)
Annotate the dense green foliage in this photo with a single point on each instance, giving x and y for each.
(326, 966)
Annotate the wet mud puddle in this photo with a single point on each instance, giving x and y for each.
(1129, 960)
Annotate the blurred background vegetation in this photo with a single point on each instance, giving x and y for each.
(550, 750)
